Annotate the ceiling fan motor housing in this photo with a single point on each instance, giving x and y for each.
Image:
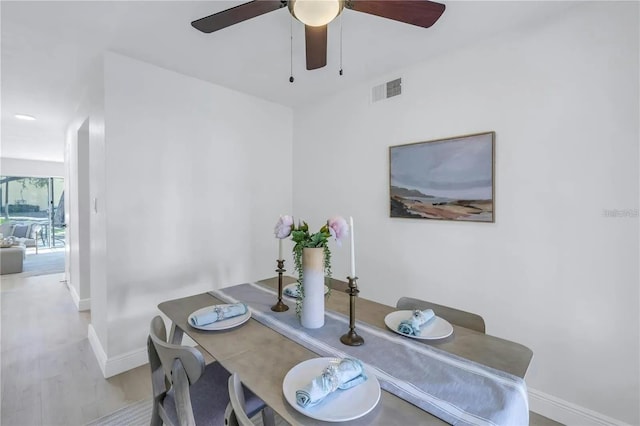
(315, 13)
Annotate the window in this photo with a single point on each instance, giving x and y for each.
(35, 199)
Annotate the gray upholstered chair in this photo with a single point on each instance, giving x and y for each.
(238, 405)
(454, 316)
(185, 390)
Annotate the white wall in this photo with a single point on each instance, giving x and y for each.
(84, 135)
(195, 176)
(98, 219)
(31, 168)
(76, 211)
(78, 259)
(84, 208)
(553, 272)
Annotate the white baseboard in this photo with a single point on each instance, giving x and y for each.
(98, 351)
(566, 412)
(81, 304)
(118, 364)
(126, 362)
(84, 304)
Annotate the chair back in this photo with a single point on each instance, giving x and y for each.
(172, 366)
(454, 316)
(191, 359)
(240, 408)
(236, 395)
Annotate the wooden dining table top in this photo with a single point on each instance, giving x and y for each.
(263, 356)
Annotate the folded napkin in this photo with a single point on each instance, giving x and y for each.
(219, 313)
(418, 319)
(340, 374)
(291, 291)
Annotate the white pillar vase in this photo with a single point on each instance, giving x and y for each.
(312, 315)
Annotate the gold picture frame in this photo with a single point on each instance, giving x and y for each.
(444, 179)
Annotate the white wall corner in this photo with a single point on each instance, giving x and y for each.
(81, 304)
(98, 351)
(566, 412)
(118, 364)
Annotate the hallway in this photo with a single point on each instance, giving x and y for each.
(49, 374)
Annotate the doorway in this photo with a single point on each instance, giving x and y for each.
(31, 217)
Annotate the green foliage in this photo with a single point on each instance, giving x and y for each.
(37, 182)
(303, 239)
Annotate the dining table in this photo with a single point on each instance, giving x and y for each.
(263, 356)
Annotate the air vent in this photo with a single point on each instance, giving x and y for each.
(387, 90)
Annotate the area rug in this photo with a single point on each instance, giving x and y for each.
(139, 413)
(135, 414)
(43, 264)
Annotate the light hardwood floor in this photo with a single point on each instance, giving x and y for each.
(49, 374)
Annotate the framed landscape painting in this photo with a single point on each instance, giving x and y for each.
(445, 179)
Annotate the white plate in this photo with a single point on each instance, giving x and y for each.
(339, 406)
(326, 289)
(219, 325)
(439, 328)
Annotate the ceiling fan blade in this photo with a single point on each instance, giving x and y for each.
(316, 46)
(422, 13)
(237, 14)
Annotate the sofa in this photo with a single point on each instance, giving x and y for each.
(25, 233)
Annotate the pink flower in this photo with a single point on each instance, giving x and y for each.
(338, 228)
(283, 227)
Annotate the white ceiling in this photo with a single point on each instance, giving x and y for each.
(47, 48)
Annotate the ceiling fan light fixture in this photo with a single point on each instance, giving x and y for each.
(316, 13)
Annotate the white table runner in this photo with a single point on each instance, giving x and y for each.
(456, 390)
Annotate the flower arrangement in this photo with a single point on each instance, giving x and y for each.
(335, 227)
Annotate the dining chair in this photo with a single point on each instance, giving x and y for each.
(186, 391)
(238, 404)
(454, 316)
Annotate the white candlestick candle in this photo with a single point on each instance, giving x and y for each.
(279, 249)
(353, 249)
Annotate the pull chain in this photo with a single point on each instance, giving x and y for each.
(291, 79)
(341, 44)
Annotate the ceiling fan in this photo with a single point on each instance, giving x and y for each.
(317, 14)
